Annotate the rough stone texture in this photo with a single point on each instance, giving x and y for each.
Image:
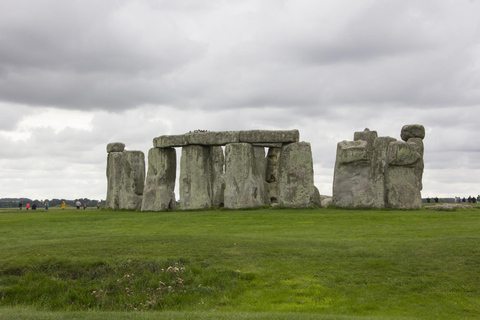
(159, 192)
(295, 182)
(412, 131)
(210, 138)
(259, 136)
(170, 141)
(317, 199)
(261, 164)
(380, 171)
(449, 206)
(366, 135)
(218, 183)
(268, 144)
(195, 178)
(401, 180)
(327, 202)
(244, 186)
(352, 151)
(352, 182)
(115, 147)
(125, 179)
(379, 167)
(271, 176)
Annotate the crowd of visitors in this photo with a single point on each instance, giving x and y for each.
(46, 204)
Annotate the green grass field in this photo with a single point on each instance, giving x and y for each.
(246, 264)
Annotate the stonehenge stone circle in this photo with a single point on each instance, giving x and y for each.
(370, 171)
(380, 172)
(243, 177)
(125, 177)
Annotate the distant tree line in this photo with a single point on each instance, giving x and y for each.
(13, 202)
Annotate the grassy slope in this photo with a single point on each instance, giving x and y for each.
(386, 264)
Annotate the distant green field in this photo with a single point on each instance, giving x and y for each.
(242, 264)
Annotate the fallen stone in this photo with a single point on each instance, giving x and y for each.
(448, 206)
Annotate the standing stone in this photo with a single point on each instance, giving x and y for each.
(218, 183)
(295, 183)
(159, 193)
(261, 164)
(352, 182)
(380, 167)
(401, 180)
(244, 185)
(271, 176)
(195, 177)
(125, 178)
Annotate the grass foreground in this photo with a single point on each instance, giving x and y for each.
(242, 264)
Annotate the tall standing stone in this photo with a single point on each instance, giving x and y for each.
(272, 172)
(352, 182)
(244, 185)
(218, 183)
(380, 167)
(195, 177)
(159, 192)
(296, 188)
(125, 177)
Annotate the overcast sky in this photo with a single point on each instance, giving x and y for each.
(76, 75)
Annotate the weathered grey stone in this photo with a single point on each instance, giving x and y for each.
(170, 141)
(244, 186)
(419, 166)
(159, 192)
(401, 180)
(271, 176)
(352, 151)
(268, 144)
(366, 135)
(379, 167)
(211, 138)
(295, 183)
(352, 182)
(261, 164)
(317, 199)
(125, 179)
(412, 131)
(115, 147)
(327, 202)
(403, 154)
(259, 136)
(218, 183)
(195, 177)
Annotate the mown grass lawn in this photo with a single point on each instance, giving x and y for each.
(246, 264)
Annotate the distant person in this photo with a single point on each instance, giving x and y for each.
(84, 205)
(478, 198)
(20, 205)
(34, 207)
(78, 204)
(63, 205)
(28, 206)
(98, 205)
(428, 200)
(46, 204)
(464, 200)
(436, 199)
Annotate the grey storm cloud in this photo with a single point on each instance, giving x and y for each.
(125, 70)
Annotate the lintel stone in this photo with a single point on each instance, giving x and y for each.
(259, 136)
(170, 141)
(115, 147)
(212, 138)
